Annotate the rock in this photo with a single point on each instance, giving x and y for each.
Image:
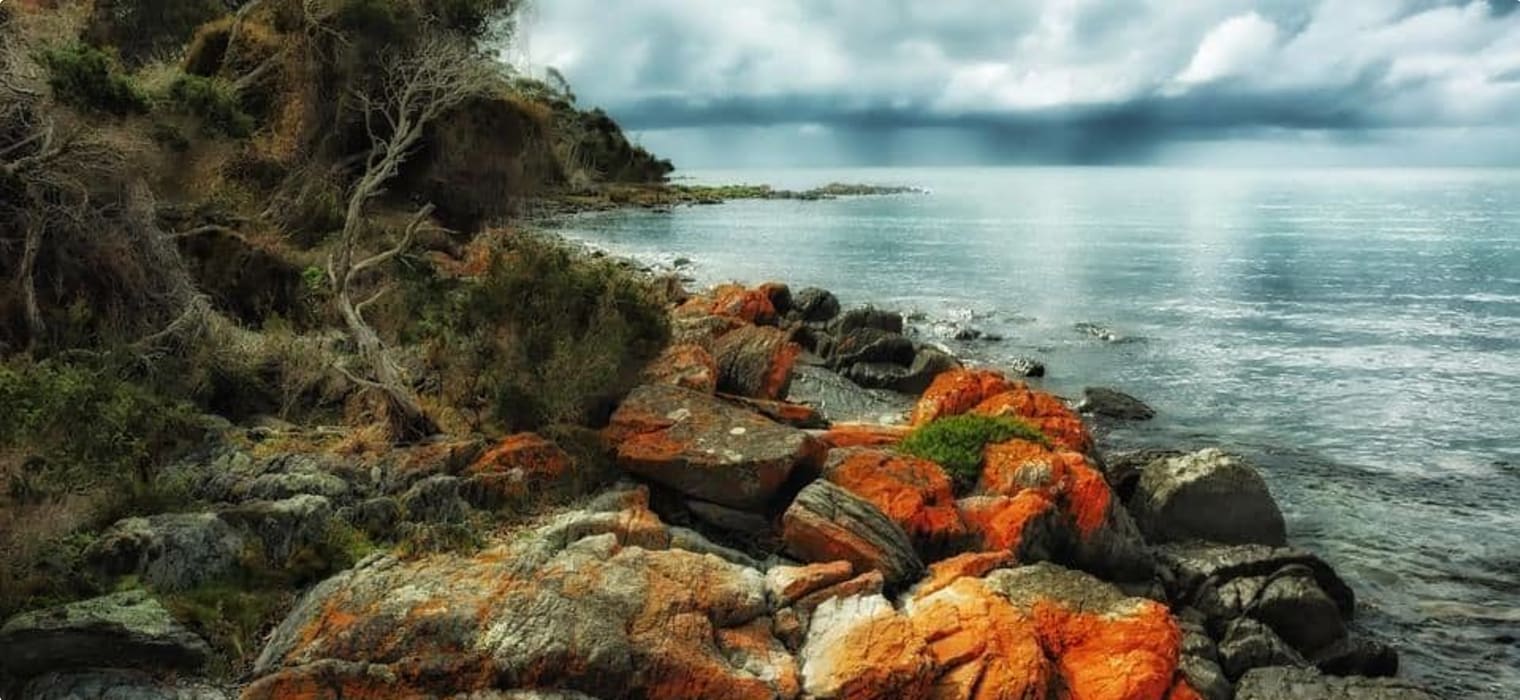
(1206, 495)
(958, 391)
(756, 361)
(787, 584)
(1093, 533)
(1199, 664)
(700, 328)
(1357, 656)
(839, 399)
(285, 530)
(863, 435)
(859, 647)
(1026, 367)
(1028, 526)
(688, 366)
(785, 412)
(867, 317)
(1062, 426)
(376, 517)
(731, 519)
(706, 449)
(827, 523)
(1293, 604)
(966, 565)
(109, 684)
(1122, 469)
(734, 301)
(1286, 683)
(1248, 644)
(1112, 403)
(1200, 570)
(927, 364)
(915, 493)
(869, 345)
(814, 305)
(779, 295)
(1099, 331)
(521, 466)
(597, 602)
(170, 552)
(436, 499)
(122, 630)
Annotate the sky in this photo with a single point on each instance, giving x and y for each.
(765, 83)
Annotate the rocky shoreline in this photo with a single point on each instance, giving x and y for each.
(767, 536)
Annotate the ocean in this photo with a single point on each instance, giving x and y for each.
(1356, 333)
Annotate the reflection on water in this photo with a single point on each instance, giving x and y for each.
(1355, 332)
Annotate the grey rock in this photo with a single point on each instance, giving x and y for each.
(1112, 403)
(913, 379)
(1249, 644)
(726, 518)
(867, 317)
(1206, 677)
(1198, 569)
(376, 517)
(109, 684)
(122, 630)
(285, 527)
(1288, 683)
(170, 552)
(815, 305)
(1357, 656)
(1122, 469)
(827, 523)
(1025, 367)
(839, 399)
(1207, 495)
(873, 345)
(1294, 605)
(436, 499)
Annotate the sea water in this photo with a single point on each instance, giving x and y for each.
(1356, 333)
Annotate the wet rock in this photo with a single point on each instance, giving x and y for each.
(867, 317)
(1293, 604)
(1248, 644)
(1286, 683)
(1199, 663)
(827, 523)
(870, 345)
(1201, 571)
(1112, 403)
(839, 399)
(756, 361)
(779, 295)
(1099, 331)
(436, 499)
(689, 366)
(1206, 495)
(109, 684)
(859, 647)
(814, 305)
(1358, 656)
(705, 448)
(170, 552)
(1122, 469)
(520, 466)
(915, 493)
(123, 630)
(596, 602)
(1026, 367)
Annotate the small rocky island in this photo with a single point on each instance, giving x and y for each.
(803, 502)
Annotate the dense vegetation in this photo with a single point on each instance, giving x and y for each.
(957, 442)
(291, 209)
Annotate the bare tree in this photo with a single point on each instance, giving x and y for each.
(416, 88)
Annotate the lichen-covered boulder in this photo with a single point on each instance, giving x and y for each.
(688, 365)
(520, 466)
(705, 448)
(756, 361)
(840, 435)
(123, 630)
(915, 493)
(1027, 526)
(602, 601)
(827, 523)
(1061, 425)
(814, 305)
(751, 305)
(118, 684)
(861, 647)
(958, 391)
(170, 552)
(785, 412)
(1206, 495)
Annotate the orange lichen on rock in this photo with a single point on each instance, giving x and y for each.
(1107, 656)
(751, 305)
(785, 584)
(983, 647)
(1014, 467)
(864, 435)
(969, 565)
(1000, 522)
(1182, 690)
(915, 493)
(957, 391)
(860, 648)
(687, 365)
(519, 465)
(756, 361)
(1061, 425)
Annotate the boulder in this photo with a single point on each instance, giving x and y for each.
(867, 317)
(827, 523)
(170, 552)
(123, 630)
(600, 602)
(1028, 526)
(788, 584)
(284, 530)
(436, 499)
(1248, 644)
(1357, 656)
(1206, 495)
(1122, 469)
(927, 364)
(839, 399)
(1198, 571)
(520, 466)
(1288, 683)
(705, 448)
(870, 345)
(756, 361)
(113, 684)
(749, 305)
(958, 391)
(688, 365)
(1112, 403)
(700, 328)
(814, 305)
(780, 296)
(1062, 426)
(915, 493)
(860, 647)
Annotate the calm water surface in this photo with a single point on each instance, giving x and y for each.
(1356, 333)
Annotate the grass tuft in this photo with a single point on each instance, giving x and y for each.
(956, 443)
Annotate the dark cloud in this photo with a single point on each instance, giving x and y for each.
(1068, 80)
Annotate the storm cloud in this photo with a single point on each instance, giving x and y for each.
(883, 81)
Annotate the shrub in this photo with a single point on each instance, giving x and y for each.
(142, 29)
(233, 619)
(214, 102)
(88, 78)
(956, 443)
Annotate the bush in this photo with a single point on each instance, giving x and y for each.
(956, 443)
(214, 102)
(88, 78)
(232, 619)
(143, 29)
(545, 335)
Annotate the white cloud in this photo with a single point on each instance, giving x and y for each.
(1236, 46)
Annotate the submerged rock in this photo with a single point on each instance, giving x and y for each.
(705, 448)
(123, 630)
(1112, 403)
(1206, 495)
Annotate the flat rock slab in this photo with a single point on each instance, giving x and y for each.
(122, 630)
(1282, 683)
(705, 448)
